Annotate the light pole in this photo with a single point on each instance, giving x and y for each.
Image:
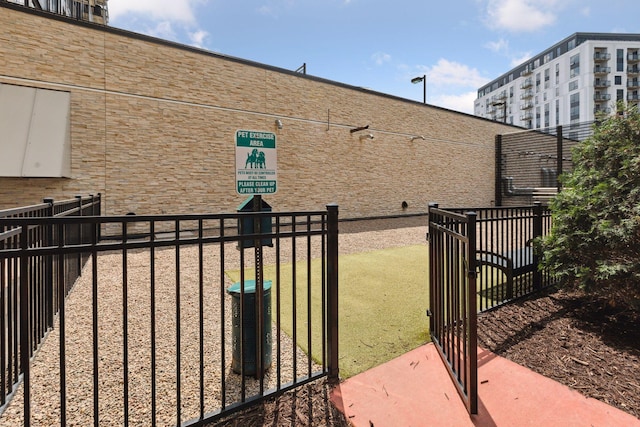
(422, 79)
(503, 104)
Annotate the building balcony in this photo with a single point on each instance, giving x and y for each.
(602, 110)
(601, 56)
(601, 83)
(602, 97)
(526, 116)
(526, 94)
(527, 83)
(527, 71)
(633, 84)
(499, 97)
(633, 70)
(526, 106)
(633, 57)
(601, 70)
(633, 97)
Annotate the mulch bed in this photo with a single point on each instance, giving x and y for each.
(574, 339)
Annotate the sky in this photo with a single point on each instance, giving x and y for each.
(381, 45)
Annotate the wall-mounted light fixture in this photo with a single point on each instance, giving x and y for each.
(279, 123)
(413, 138)
(366, 136)
(359, 129)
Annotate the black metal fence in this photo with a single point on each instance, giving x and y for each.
(528, 163)
(452, 298)
(151, 332)
(506, 255)
(39, 275)
(479, 258)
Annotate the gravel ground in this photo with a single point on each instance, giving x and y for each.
(357, 236)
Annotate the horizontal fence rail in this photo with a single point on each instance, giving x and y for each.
(163, 327)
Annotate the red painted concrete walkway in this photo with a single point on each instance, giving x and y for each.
(415, 390)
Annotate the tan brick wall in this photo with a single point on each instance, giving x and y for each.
(153, 128)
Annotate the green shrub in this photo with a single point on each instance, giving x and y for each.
(595, 237)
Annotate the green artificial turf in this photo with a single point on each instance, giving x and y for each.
(383, 296)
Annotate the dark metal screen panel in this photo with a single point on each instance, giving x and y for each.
(528, 163)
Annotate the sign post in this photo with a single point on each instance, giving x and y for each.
(257, 174)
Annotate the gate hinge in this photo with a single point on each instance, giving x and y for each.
(429, 313)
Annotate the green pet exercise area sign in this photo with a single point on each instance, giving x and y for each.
(256, 162)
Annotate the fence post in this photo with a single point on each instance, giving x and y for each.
(98, 211)
(472, 313)
(431, 267)
(25, 325)
(537, 232)
(559, 153)
(80, 239)
(332, 289)
(48, 266)
(498, 172)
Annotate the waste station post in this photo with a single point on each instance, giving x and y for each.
(257, 207)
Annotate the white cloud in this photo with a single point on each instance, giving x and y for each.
(522, 15)
(452, 73)
(173, 10)
(380, 58)
(461, 102)
(166, 19)
(501, 45)
(522, 58)
(198, 37)
(163, 30)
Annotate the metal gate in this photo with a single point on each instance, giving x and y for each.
(452, 297)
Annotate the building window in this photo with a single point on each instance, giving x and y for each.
(546, 115)
(574, 113)
(574, 66)
(537, 82)
(546, 78)
(619, 95)
(571, 44)
(573, 85)
(619, 59)
(618, 80)
(557, 112)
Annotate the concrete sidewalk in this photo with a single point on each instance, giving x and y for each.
(415, 390)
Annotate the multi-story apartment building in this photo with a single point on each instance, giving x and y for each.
(86, 10)
(574, 81)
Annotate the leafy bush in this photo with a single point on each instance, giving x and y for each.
(595, 237)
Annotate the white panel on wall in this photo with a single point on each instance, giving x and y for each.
(16, 105)
(34, 132)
